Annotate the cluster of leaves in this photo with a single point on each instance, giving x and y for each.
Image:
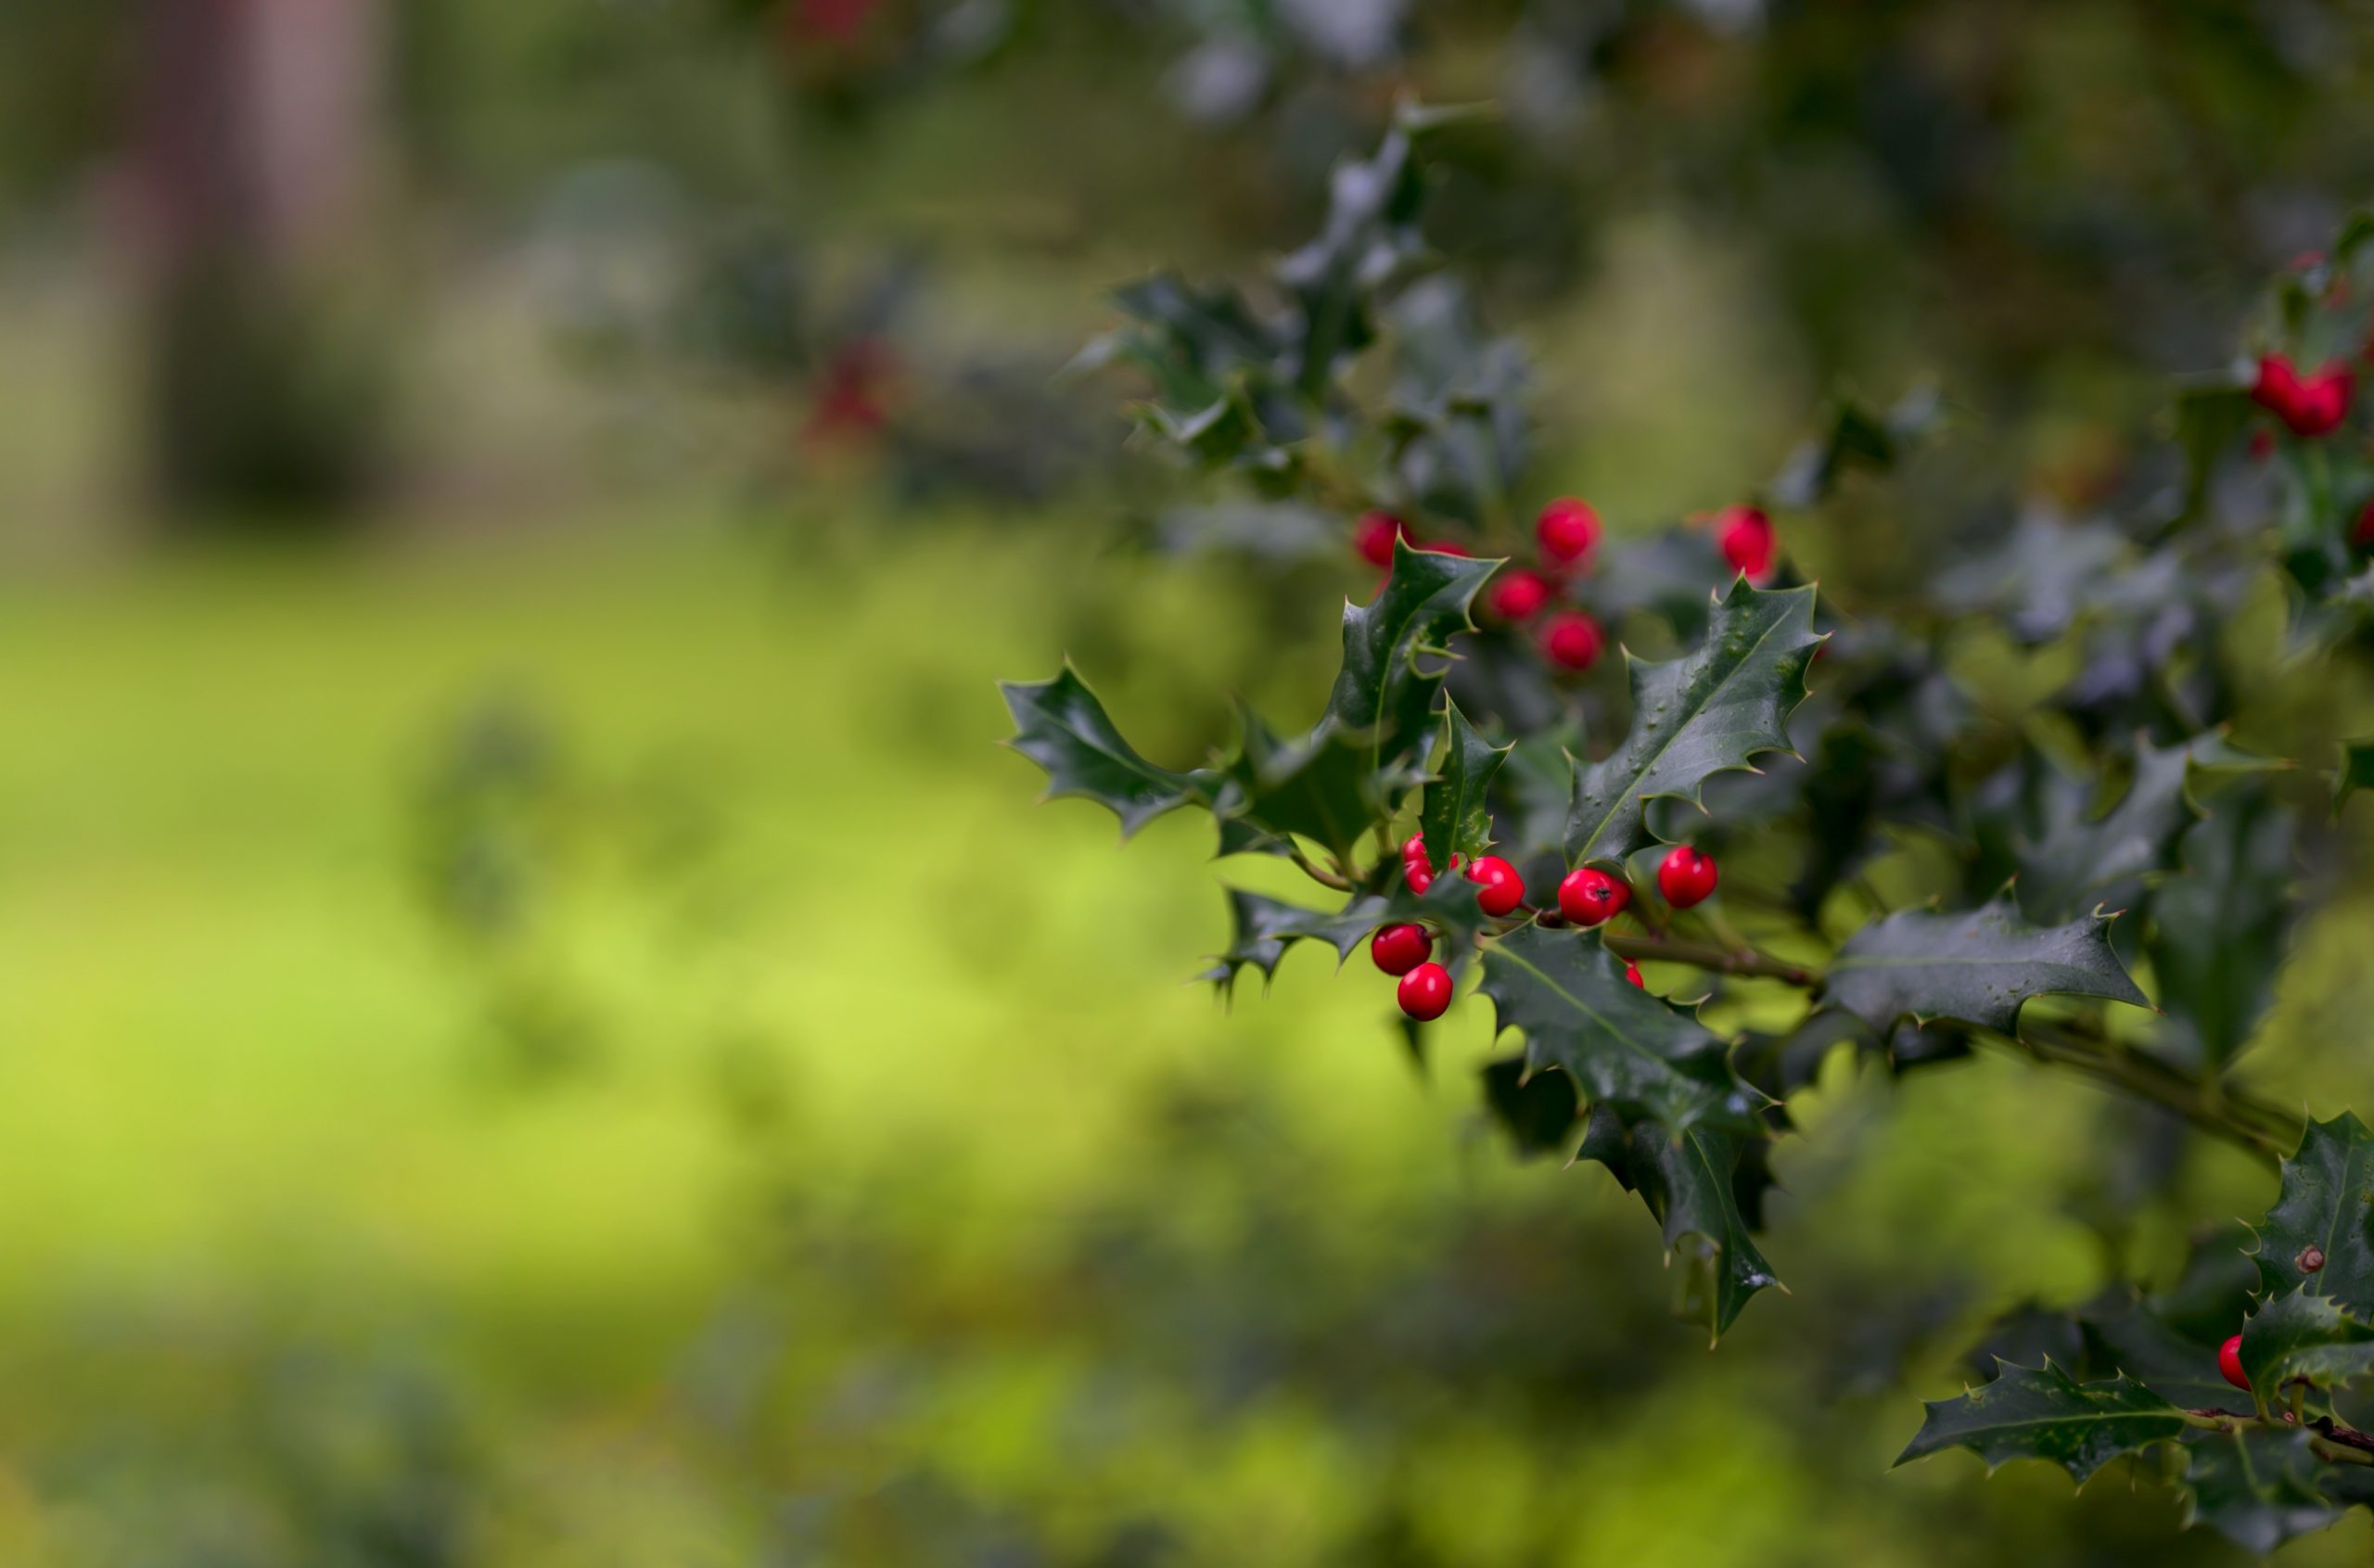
(2119, 788)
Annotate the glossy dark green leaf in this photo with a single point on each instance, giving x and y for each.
(1690, 1180)
(2305, 1338)
(2047, 1414)
(1717, 709)
(1536, 1107)
(2319, 1235)
(1368, 240)
(2144, 1345)
(1393, 646)
(1060, 725)
(2078, 859)
(2257, 1486)
(1455, 818)
(1625, 1048)
(1977, 966)
(1323, 786)
(1262, 928)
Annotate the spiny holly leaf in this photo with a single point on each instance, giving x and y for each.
(1976, 967)
(1717, 709)
(1060, 725)
(1537, 1109)
(2305, 1338)
(1625, 1048)
(1262, 928)
(2141, 1343)
(1369, 239)
(2320, 1233)
(1690, 1180)
(2257, 1486)
(1455, 820)
(2046, 1414)
(2219, 930)
(1381, 694)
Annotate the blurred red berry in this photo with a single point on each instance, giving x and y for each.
(1572, 640)
(1632, 973)
(1419, 874)
(1499, 889)
(1686, 876)
(1424, 992)
(1517, 594)
(1400, 949)
(2310, 407)
(1374, 535)
(1745, 537)
(1566, 530)
(2229, 1362)
(1589, 896)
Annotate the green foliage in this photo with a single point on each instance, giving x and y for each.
(2047, 1414)
(1977, 967)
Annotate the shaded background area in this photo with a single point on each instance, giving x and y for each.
(541, 1030)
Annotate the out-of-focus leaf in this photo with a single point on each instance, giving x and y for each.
(1716, 708)
(2355, 772)
(1537, 1108)
(1856, 438)
(2256, 1486)
(2220, 930)
(2046, 1414)
(1976, 967)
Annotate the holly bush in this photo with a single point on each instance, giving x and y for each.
(1689, 824)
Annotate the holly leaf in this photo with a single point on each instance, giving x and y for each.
(2257, 1486)
(1625, 1048)
(1715, 710)
(2355, 773)
(1976, 967)
(2320, 1233)
(1060, 725)
(2047, 1414)
(1454, 819)
(2142, 1345)
(1322, 786)
(1381, 694)
(2219, 930)
(1537, 1109)
(2305, 1338)
(1690, 1180)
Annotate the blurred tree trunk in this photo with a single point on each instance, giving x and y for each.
(256, 165)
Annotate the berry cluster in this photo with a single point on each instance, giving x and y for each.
(1587, 896)
(2309, 406)
(1565, 536)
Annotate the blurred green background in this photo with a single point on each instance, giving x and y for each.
(541, 1028)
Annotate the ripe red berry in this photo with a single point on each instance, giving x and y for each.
(1419, 874)
(1374, 535)
(1572, 640)
(1414, 849)
(1500, 887)
(1686, 876)
(1517, 594)
(1424, 992)
(1400, 949)
(2229, 1362)
(1567, 529)
(1744, 535)
(2311, 406)
(1588, 895)
(1632, 973)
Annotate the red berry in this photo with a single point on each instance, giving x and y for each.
(1419, 874)
(1632, 973)
(1744, 535)
(2361, 533)
(1567, 529)
(1374, 535)
(1400, 949)
(1589, 896)
(2229, 1362)
(1413, 849)
(1572, 640)
(2314, 406)
(1500, 888)
(1517, 594)
(1686, 876)
(1424, 992)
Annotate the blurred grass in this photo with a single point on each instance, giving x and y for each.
(905, 1203)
